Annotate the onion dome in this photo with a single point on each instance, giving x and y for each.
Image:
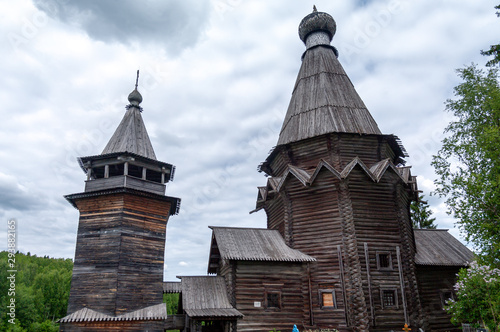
(135, 98)
(318, 24)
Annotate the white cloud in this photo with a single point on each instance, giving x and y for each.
(216, 78)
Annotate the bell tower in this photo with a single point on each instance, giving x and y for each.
(119, 259)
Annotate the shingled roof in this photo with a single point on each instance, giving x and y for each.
(131, 134)
(155, 312)
(324, 99)
(206, 297)
(251, 244)
(438, 247)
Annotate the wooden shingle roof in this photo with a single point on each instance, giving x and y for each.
(254, 244)
(155, 312)
(131, 135)
(324, 101)
(438, 247)
(205, 296)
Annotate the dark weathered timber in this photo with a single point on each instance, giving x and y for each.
(434, 281)
(119, 253)
(251, 280)
(126, 182)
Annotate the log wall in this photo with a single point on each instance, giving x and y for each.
(251, 282)
(433, 280)
(344, 224)
(119, 253)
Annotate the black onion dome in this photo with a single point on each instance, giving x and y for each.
(317, 21)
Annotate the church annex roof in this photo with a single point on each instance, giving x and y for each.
(324, 99)
(438, 247)
(252, 244)
(154, 312)
(206, 296)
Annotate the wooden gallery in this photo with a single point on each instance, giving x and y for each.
(339, 250)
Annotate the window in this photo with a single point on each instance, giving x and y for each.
(384, 261)
(327, 298)
(389, 298)
(273, 300)
(446, 295)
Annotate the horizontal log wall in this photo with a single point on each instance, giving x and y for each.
(381, 218)
(432, 281)
(254, 279)
(119, 253)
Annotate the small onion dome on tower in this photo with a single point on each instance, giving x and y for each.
(317, 28)
(135, 98)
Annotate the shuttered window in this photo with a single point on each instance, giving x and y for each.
(327, 298)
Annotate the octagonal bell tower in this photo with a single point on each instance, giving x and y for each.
(119, 259)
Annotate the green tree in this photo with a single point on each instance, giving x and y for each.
(42, 291)
(421, 214)
(477, 297)
(494, 50)
(468, 164)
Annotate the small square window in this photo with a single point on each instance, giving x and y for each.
(389, 298)
(327, 298)
(384, 261)
(446, 295)
(273, 300)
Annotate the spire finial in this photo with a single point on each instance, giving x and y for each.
(135, 97)
(314, 9)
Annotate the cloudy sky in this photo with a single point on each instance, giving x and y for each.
(216, 77)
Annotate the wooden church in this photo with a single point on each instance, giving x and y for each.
(339, 251)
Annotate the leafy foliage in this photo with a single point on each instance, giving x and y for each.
(421, 214)
(477, 297)
(41, 292)
(494, 49)
(468, 164)
(172, 302)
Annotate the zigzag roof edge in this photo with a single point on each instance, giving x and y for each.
(375, 173)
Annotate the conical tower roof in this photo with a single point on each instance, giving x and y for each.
(324, 99)
(131, 134)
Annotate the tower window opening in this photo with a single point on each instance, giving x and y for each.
(115, 170)
(153, 176)
(98, 172)
(135, 171)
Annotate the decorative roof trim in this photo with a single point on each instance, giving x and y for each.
(376, 172)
